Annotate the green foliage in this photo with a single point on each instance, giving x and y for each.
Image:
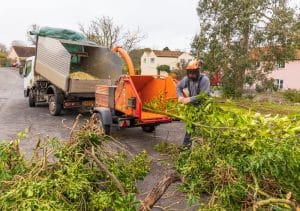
(163, 67)
(128, 172)
(4, 62)
(11, 161)
(292, 95)
(237, 35)
(266, 85)
(237, 156)
(66, 178)
(2, 55)
(246, 105)
(168, 148)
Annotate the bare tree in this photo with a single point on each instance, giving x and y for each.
(105, 32)
(32, 38)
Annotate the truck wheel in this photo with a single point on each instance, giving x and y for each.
(148, 128)
(31, 99)
(106, 128)
(54, 106)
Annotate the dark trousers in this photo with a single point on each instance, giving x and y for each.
(187, 138)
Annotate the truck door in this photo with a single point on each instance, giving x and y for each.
(28, 73)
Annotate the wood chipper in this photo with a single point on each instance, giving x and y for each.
(122, 104)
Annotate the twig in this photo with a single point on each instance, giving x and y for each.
(74, 125)
(105, 169)
(169, 195)
(256, 185)
(160, 207)
(120, 145)
(183, 119)
(45, 162)
(171, 205)
(64, 125)
(274, 201)
(260, 191)
(35, 154)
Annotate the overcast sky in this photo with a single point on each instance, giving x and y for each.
(169, 23)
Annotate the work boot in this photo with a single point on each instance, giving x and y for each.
(187, 143)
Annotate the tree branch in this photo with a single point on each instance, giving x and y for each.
(158, 190)
(105, 169)
(275, 201)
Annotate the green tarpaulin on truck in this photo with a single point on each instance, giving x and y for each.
(59, 33)
(65, 34)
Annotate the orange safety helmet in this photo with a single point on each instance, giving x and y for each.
(194, 65)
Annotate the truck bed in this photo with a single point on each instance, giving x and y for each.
(85, 86)
(53, 63)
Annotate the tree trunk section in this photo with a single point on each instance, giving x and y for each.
(158, 190)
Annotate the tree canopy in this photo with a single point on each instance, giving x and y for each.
(236, 35)
(163, 67)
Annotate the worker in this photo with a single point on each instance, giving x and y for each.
(190, 87)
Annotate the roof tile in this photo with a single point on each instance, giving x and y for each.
(172, 54)
(23, 51)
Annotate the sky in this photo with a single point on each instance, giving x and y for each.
(171, 23)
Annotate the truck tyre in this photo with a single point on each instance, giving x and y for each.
(148, 128)
(106, 127)
(31, 99)
(54, 106)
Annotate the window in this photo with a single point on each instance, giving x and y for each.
(28, 68)
(279, 83)
(152, 60)
(182, 61)
(281, 64)
(145, 60)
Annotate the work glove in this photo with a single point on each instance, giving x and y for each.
(184, 100)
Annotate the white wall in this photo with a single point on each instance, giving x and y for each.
(290, 75)
(13, 55)
(149, 68)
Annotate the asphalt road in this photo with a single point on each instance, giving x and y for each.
(16, 115)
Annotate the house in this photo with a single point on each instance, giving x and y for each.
(151, 59)
(287, 75)
(20, 53)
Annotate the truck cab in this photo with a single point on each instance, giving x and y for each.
(28, 74)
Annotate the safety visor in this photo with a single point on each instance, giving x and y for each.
(192, 72)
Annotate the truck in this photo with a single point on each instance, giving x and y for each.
(48, 74)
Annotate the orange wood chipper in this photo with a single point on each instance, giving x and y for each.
(122, 104)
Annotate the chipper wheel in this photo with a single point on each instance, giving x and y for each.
(106, 128)
(148, 128)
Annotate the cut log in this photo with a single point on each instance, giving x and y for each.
(158, 191)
